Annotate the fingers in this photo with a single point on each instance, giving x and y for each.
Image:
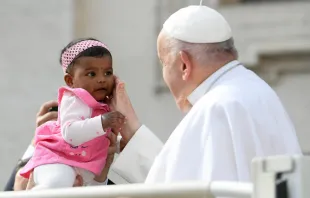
(109, 160)
(113, 138)
(116, 79)
(31, 183)
(115, 85)
(114, 120)
(112, 150)
(46, 106)
(115, 114)
(113, 117)
(78, 181)
(119, 115)
(119, 85)
(47, 117)
(20, 182)
(120, 118)
(122, 144)
(113, 141)
(116, 91)
(116, 132)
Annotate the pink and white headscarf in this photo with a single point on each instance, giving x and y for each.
(68, 56)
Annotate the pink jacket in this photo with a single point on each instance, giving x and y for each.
(51, 147)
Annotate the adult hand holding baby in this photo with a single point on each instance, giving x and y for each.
(112, 150)
(77, 183)
(45, 115)
(100, 178)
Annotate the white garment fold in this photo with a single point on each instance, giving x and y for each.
(235, 117)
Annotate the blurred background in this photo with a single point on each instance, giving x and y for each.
(272, 37)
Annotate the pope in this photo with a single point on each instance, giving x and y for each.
(232, 114)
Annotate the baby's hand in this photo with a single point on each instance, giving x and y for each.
(114, 120)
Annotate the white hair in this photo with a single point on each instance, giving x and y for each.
(203, 52)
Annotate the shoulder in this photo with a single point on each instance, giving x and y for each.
(69, 99)
(245, 88)
(240, 93)
(220, 97)
(78, 92)
(69, 96)
(219, 105)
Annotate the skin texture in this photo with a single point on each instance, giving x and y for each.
(183, 72)
(112, 120)
(177, 72)
(95, 75)
(121, 102)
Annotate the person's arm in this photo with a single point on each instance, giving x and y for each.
(138, 146)
(102, 179)
(17, 182)
(20, 182)
(134, 162)
(76, 125)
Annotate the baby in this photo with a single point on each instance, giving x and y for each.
(76, 143)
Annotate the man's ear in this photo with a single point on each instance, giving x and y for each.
(69, 80)
(186, 65)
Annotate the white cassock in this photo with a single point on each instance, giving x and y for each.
(235, 117)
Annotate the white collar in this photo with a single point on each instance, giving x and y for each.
(208, 83)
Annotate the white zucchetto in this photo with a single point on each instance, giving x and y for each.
(197, 24)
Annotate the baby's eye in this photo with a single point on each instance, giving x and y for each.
(109, 73)
(74, 147)
(91, 74)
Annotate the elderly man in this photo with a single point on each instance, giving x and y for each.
(232, 114)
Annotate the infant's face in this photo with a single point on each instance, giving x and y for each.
(95, 75)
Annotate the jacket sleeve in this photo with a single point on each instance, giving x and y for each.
(134, 162)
